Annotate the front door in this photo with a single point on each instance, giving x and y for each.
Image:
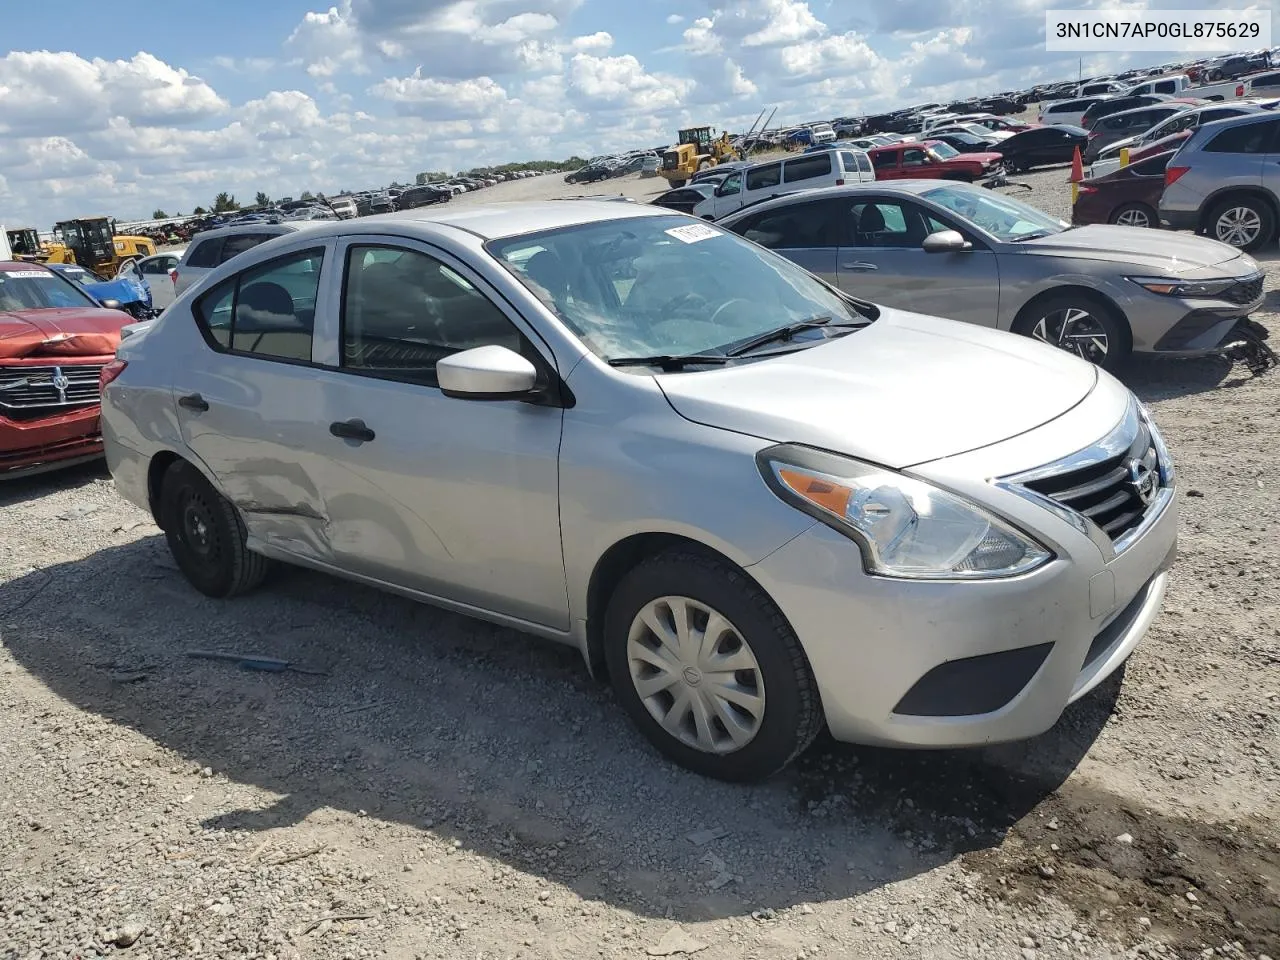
(454, 498)
(885, 262)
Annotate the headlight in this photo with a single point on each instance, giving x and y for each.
(903, 526)
(1189, 289)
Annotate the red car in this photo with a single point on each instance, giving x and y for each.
(54, 342)
(1129, 196)
(931, 160)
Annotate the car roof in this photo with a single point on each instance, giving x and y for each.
(906, 188)
(234, 228)
(11, 266)
(498, 220)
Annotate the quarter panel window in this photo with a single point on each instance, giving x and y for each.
(403, 311)
(806, 168)
(762, 178)
(205, 253)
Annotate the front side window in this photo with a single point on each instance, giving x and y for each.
(403, 311)
(732, 184)
(913, 157)
(689, 287)
(268, 311)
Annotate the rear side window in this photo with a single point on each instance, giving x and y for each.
(240, 242)
(1166, 86)
(763, 177)
(1152, 168)
(886, 160)
(205, 253)
(807, 168)
(1245, 138)
(864, 163)
(268, 311)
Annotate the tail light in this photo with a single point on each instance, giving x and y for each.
(1081, 189)
(1239, 89)
(110, 372)
(839, 183)
(173, 275)
(1173, 174)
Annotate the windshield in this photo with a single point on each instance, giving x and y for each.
(1003, 217)
(81, 276)
(38, 290)
(664, 285)
(943, 150)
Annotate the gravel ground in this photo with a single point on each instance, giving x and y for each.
(445, 788)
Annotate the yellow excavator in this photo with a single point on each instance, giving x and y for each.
(696, 150)
(92, 243)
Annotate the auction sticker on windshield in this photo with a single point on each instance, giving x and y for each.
(693, 232)
(27, 273)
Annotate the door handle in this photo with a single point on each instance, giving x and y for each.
(858, 265)
(352, 430)
(193, 401)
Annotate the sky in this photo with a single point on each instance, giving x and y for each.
(121, 111)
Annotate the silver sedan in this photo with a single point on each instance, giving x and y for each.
(970, 254)
(751, 501)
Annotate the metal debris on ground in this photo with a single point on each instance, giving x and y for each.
(255, 662)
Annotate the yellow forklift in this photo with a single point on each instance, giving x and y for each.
(24, 242)
(696, 150)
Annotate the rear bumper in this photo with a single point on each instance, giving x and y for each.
(33, 446)
(1180, 219)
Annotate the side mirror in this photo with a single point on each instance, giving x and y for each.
(946, 241)
(486, 373)
(111, 304)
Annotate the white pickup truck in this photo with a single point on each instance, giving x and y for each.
(1266, 83)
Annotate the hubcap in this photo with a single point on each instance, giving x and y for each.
(1134, 218)
(1076, 330)
(1238, 226)
(197, 527)
(695, 674)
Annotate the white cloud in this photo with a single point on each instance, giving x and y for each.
(441, 99)
(623, 83)
(600, 41)
(674, 18)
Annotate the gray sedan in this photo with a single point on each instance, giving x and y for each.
(970, 254)
(751, 501)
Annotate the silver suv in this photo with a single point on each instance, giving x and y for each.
(1225, 181)
(212, 248)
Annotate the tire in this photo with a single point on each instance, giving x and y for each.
(769, 730)
(1041, 320)
(1013, 166)
(677, 184)
(704, 165)
(206, 535)
(1134, 215)
(1245, 222)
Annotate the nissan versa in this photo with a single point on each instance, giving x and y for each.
(758, 504)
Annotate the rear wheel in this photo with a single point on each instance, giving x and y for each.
(1134, 215)
(708, 668)
(1079, 324)
(677, 184)
(1244, 222)
(206, 535)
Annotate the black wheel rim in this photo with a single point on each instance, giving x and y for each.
(1077, 330)
(197, 530)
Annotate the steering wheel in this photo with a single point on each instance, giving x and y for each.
(693, 300)
(715, 317)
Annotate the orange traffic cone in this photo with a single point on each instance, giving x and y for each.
(1077, 174)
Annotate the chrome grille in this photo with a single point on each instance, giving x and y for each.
(1246, 291)
(43, 387)
(1108, 492)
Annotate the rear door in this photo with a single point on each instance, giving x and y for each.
(808, 234)
(247, 404)
(884, 261)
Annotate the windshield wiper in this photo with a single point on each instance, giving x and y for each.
(787, 333)
(1033, 235)
(669, 361)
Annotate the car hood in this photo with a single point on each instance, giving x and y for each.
(975, 158)
(121, 288)
(67, 332)
(1178, 253)
(906, 390)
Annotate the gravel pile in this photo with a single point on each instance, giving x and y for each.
(444, 788)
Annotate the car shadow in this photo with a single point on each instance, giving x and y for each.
(23, 488)
(479, 734)
(1164, 378)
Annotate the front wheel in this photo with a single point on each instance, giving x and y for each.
(1078, 324)
(206, 535)
(1244, 222)
(1134, 215)
(708, 668)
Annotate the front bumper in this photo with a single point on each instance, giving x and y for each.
(34, 446)
(1184, 327)
(908, 663)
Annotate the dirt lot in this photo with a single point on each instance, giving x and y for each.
(449, 789)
